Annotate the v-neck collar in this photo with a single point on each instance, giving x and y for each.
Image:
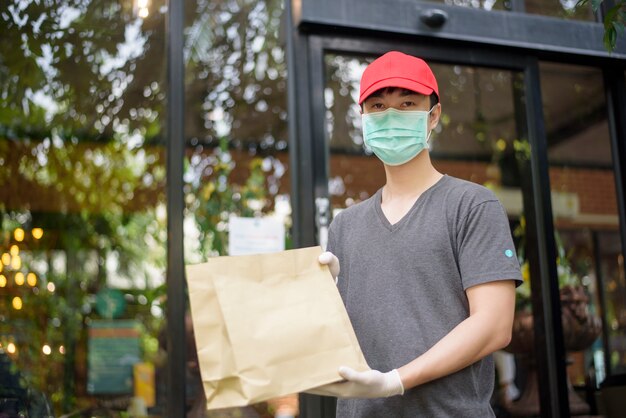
(378, 200)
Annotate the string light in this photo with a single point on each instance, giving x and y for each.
(3, 280)
(18, 234)
(31, 279)
(46, 349)
(51, 287)
(37, 233)
(11, 348)
(15, 250)
(17, 303)
(6, 259)
(62, 349)
(19, 278)
(16, 262)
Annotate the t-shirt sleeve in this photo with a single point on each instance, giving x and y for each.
(485, 248)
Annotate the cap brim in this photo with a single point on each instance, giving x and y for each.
(403, 83)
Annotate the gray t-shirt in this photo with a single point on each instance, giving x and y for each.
(404, 289)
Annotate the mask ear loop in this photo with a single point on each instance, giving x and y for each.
(430, 131)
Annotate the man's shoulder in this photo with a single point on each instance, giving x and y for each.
(467, 192)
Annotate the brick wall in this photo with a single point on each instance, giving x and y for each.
(354, 178)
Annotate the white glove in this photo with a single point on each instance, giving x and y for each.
(330, 259)
(368, 384)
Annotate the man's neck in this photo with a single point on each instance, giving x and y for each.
(411, 179)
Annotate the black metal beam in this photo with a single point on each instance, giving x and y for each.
(300, 137)
(306, 138)
(541, 253)
(497, 28)
(319, 133)
(175, 279)
(432, 51)
(615, 91)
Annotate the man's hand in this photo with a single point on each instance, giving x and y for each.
(368, 384)
(330, 259)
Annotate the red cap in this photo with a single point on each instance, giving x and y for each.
(395, 69)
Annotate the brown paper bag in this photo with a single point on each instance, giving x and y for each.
(268, 325)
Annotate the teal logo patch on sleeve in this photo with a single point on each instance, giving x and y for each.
(508, 253)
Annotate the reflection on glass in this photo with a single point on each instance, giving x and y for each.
(236, 143)
(565, 9)
(479, 4)
(585, 212)
(236, 121)
(476, 140)
(82, 205)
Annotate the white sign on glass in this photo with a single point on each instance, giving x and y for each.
(255, 235)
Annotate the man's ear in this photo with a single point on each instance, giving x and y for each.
(434, 116)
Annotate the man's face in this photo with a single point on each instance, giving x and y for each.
(396, 98)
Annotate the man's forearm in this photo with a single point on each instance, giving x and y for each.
(479, 335)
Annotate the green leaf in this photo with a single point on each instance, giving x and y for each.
(619, 27)
(595, 4)
(610, 38)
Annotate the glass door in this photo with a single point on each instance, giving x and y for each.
(479, 139)
(483, 137)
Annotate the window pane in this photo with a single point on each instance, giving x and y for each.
(585, 212)
(476, 140)
(479, 4)
(236, 145)
(82, 205)
(565, 9)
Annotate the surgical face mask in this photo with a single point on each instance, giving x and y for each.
(396, 136)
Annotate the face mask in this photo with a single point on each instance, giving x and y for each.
(396, 136)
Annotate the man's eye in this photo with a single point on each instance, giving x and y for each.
(377, 106)
(408, 104)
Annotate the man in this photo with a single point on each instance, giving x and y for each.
(426, 267)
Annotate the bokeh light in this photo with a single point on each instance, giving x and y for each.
(37, 233)
(18, 234)
(16, 262)
(19, 278)
(31, 279)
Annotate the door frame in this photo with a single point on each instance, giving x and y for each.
(309, 161)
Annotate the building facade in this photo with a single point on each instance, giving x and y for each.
(130, 131)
